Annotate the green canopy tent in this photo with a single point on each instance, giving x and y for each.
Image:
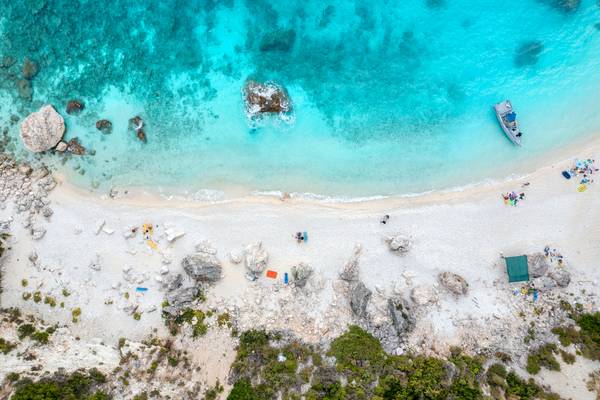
(517, 268)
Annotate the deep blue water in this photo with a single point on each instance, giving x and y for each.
(389, 97)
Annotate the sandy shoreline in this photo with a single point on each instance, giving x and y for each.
(149, 197)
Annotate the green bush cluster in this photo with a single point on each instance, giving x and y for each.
(79, 385)
(585, 336)
(6, 346)
(187, 316)
(543, 357)
(357, 367)
(28, 330)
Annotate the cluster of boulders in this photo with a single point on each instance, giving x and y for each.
(27, 188)
(545, 275)
(137, 125)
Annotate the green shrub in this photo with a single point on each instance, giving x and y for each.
(543, 357)
(6, 346)
(37, 296)
(76, 313)
(25, 330)
(567, 357)
(356, 350)
(518, 387)
(242, 390)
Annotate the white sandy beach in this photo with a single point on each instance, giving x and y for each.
(464, 232)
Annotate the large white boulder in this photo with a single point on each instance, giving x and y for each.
(42, 130)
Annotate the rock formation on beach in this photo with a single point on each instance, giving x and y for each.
(267, 97)
(203, 266)
(255, 259)
(454, 283)
(42, 130)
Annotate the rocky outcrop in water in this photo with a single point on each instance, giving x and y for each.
(74, 107)
(137, 125)
(42, 130)
(104, 126)
(267, 97)
(74, 147)
(24, 89)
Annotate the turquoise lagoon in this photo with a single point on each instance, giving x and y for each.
(390, 97)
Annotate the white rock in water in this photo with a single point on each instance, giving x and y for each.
(108, 231)
(42, 130)
(61, 147)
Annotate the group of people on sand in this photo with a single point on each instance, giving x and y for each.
(513, 198)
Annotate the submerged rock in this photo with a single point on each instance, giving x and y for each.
(279, 40)
(137, 124)
(74, 147)
(7, 62)
(42, 130)
(24, 89)
(30, 69)
(104, 126)
(267, 97)
(528, 53)
(74, 107)
(453, 282)
(565, 5)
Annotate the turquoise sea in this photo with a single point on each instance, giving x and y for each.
(389, 97)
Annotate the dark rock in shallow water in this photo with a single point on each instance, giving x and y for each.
(266, 97)
(279, 40)
(528, 53)
(435, 3)
(136, 123)
(74, 107)
(7, 62)
(566, 5)
(597, 25)
(326, 16)
(30, 69)
(74, 147)
(141, 135)
(24, 89)
(104, 126)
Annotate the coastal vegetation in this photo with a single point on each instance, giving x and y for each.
(355, 366)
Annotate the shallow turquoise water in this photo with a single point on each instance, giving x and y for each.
(389, 97)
